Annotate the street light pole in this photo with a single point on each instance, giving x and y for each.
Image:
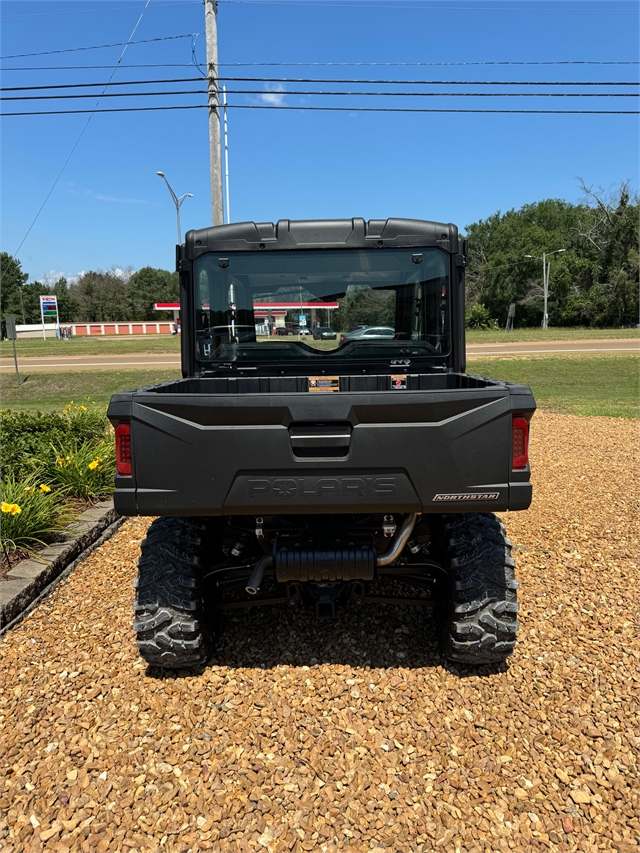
(177, 201)
(545, 291)
(546, 270)
(226, 153)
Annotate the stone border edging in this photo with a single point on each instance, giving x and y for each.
(32, 579)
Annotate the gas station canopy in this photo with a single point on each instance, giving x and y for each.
(261, 309)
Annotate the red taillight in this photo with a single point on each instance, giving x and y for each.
(123, 449)
(520, 443)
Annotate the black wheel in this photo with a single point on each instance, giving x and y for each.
(170, 622)
(478, 621)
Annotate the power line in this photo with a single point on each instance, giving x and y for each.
(98, 67)
(100, 46)
(427, 82)
(89, 85)
(319, 80)
(318, 64)
(82, 132)
(324, 109)
(399, 64)
(335, 94)
(415, 7)
(87, 11)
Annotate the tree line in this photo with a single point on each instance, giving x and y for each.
(593, 282)
(96, 297)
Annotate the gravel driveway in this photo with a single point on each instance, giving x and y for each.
(349, 734)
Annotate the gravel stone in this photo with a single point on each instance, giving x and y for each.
(318, 736)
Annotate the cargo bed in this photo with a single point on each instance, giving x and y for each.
(228, 446)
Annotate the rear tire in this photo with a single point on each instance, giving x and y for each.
(478, 617)
(170, 619)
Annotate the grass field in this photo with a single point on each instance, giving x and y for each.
(35, 347)
(573, 384)
(51, 391)
(572, 333)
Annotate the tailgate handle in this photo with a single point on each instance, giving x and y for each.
(311, 439)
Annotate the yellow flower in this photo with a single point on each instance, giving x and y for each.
(14, 509)
(44, 489)
(28, 490)
(93, 465)
(60, 461)
(83, 408)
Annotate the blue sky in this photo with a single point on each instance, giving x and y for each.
(110, 209)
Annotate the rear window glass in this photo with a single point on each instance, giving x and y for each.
(266, 306)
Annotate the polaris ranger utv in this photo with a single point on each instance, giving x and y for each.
(300, 471)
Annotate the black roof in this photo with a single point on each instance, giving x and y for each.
(321, 234)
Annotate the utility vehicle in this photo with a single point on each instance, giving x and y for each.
(306, 473)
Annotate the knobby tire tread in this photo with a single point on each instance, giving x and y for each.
(170, 626)
(480, 610)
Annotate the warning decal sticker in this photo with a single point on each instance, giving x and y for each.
(324, 383)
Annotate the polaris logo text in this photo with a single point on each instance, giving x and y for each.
(323, 487)
(473, 496)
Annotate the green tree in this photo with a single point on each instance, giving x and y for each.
(30, 296)
(12, 281)
(101, 297)
(67, 306)
(593, 282)
(367, 306)
(613, 232)
(148, 286)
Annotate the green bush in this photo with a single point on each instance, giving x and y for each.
(84, 469)
(31, 512)
(478, 317)
(27, 436)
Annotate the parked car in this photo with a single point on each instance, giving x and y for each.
(301, 330)
(370, 333)
(323, 333)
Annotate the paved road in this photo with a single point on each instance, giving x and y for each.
(92, 362)
(555, 347)
(165, 360)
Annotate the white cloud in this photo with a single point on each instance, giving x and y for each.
(124, 274)
(274, 96)
(107, 198)
(51, 277)
(73, 279)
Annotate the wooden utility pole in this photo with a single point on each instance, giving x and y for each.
(215, 151)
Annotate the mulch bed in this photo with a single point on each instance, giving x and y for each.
(350, 734)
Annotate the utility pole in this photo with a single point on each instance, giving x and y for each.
(215, 151)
